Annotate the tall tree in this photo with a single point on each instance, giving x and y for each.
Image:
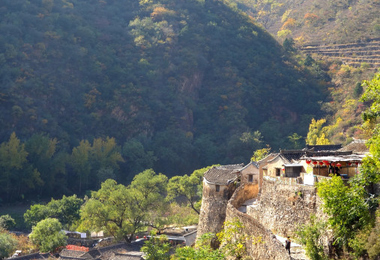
(42, 154)
(317, 134)
(81, 162)
(189, 187)
(16, 175)
(121, 210)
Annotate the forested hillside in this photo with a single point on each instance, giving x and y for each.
(179, 84)
(317, 21)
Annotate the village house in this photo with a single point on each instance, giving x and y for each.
(314, 162)
(275, 194)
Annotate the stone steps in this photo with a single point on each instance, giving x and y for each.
(298, 253)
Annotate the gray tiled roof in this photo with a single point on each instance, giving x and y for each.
(127, 256)
(32, 256)
(327, 147)
(223, 174)
(356, 146)
(105, 253)
(71, 253)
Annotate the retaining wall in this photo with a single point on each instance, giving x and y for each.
(261, 244)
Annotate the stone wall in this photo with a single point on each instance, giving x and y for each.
(268, 247)
(282, 208)
(213, 210)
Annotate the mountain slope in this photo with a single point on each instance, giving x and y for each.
(317, 21)
(192, 81)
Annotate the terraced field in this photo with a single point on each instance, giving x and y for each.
(353, 54)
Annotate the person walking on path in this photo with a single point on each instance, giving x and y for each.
(287, 244)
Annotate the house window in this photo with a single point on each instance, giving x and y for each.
(250, 178)
(278, 172)
(217, 187)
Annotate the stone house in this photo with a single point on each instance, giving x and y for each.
(250, 173)
(275, 193)
(313, 162)
(219, 183)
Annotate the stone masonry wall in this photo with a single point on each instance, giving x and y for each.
(282, 208)
(213, 210)
(269, 247)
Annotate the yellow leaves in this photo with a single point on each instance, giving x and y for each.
(290, 23)
(285, 16)
(317, 134)
(160, 12)
(13, 153)
(284, 33)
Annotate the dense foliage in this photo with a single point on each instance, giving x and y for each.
(178, 84)
(309, 235)
(7, 244)
(66, 210)
(351, 207)
(313, 21)
(48, 235)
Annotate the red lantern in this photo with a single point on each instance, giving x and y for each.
(327, 163)
(308, 161)
(357, 163)
(315, 162)
(338, 164)
(332, 164)
(349, 163)
(137, 237)
(283, 169)
(320, 163)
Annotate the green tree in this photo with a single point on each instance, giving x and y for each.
(8, 244)
(43, 156)
(16, 175)
(201, 251)
(137, 158)
(156, 248)
(48, 235)
(310, 236)
(106, 153)
(372, 244)
(288, 45)
(295, 140)
(149, 190)
(35, 214)
(260, 154)
(66, 210)
(371, 116)
(81, 162)
(189, 187)
(121, 210)
(233, 239)
(348, 207)
(93, 160)
(6, 222)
